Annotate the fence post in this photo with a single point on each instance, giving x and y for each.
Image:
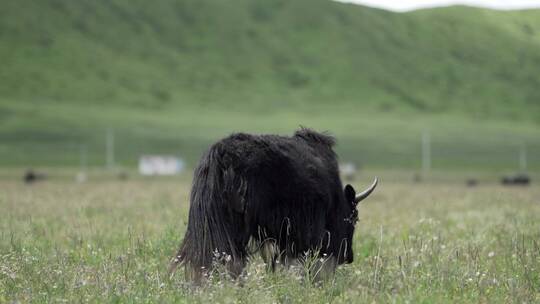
(83, 158)
(523, 158)
(109, 152)
(426, 152)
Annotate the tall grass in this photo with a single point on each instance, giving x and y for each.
(112, 241)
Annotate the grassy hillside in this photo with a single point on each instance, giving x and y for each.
(174, 75)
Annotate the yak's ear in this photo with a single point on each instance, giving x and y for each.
(350, 194)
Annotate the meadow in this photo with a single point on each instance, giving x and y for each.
(171, 77)
(111, 241)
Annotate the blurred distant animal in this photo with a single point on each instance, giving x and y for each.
(516, 180)
(281, 196)
(31, 176)
(471, 182)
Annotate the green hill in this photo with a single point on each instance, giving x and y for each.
(173, 75)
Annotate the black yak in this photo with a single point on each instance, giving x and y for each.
(31, 176)
(516, 180)
(280, 195)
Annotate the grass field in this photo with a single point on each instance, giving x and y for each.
(171, 77)
(111, 241)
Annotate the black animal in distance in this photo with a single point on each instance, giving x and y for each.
(280, 195)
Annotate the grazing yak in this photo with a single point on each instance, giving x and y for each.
(31, 176)
(278, 195)
(516, 180)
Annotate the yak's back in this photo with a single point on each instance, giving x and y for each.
(315, 137)
(249, 151)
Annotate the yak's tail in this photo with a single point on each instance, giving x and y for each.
(214, 232)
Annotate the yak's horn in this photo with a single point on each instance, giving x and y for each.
(366, 192)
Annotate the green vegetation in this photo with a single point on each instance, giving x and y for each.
(376, 141)
(174, 75)
(423, 243)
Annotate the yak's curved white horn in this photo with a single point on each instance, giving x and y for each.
(366, 192)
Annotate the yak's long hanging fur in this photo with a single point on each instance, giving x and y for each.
(266, 188)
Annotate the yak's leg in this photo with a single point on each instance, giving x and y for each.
(324, 268)
(195, 275)
(314, 267)
(269, 254)
(224, 263)
(289, 262)
(235, 267)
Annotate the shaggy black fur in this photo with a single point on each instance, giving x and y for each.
(252, 189)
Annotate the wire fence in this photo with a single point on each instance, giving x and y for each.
(421, 153)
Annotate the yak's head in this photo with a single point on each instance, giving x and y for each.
(352, 200)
